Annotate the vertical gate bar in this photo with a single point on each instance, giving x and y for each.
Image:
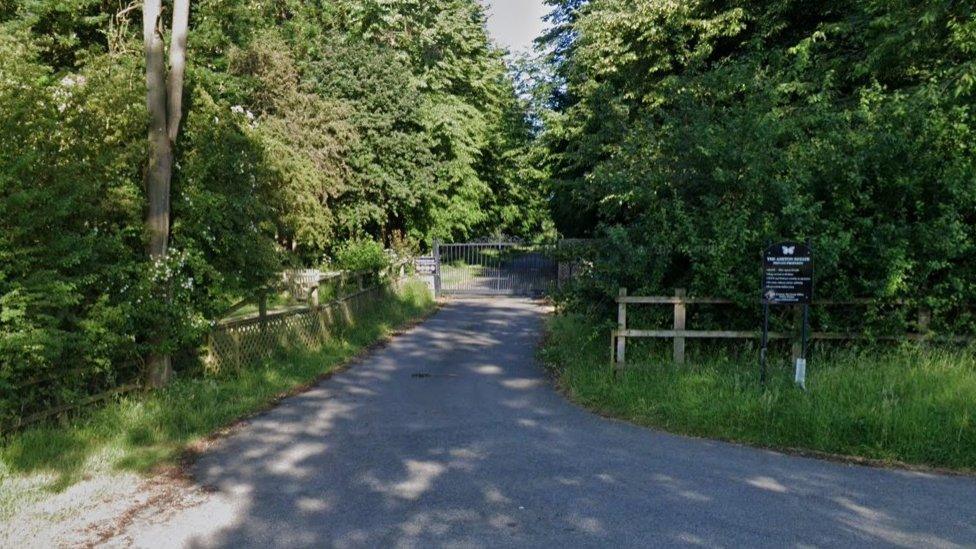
(497, 275)
(500, 271)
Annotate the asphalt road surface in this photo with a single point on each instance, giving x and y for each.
(452, 435)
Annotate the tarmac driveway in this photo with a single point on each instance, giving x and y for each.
(452, 436)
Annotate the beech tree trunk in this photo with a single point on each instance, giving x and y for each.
(164, 100)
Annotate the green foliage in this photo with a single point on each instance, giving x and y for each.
(306, 138)
(306, 125)
(910, 404)
(139, 431)
(691, 133)
(362, 255)
(69, 210)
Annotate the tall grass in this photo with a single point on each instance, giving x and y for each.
(911, 404)
(138, 432)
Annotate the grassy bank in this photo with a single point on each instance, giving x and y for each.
(141, 431)
(909, 404)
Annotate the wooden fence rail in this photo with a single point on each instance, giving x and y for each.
(240, 342)
(680, 334)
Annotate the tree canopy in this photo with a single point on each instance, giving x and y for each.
(690, 133)
(307, 125)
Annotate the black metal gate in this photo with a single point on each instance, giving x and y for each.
(496, 268)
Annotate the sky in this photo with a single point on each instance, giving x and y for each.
(514, 24)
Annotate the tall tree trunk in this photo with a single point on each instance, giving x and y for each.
(164, 98)
(177, 65)
(160, 170)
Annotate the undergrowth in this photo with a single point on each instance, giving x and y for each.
(913, 404)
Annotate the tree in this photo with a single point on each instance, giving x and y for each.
(164, 100)
(695, 131)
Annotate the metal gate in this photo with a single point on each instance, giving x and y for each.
(497, 268)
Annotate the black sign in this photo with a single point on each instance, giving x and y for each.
(787, 274)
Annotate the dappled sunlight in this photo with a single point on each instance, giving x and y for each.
(861, 510)
(287, 461)
(488, 370)
(590, 525)
(480, 450)
(420, 477)
(494, 495)
(767, 483)
(524, 383)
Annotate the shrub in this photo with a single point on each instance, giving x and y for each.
(362, 255)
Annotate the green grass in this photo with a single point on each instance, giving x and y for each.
(909, 404)
(460, 272)
(139, 432)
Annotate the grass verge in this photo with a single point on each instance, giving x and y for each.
(139, 432)
(911, 404)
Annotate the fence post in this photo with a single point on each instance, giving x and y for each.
(238, 351)
(621, 328)
(313, 296)
(263, 310)
(680, 314)
(211, 359)
(263, 306)
(263, 319)
(924, 321)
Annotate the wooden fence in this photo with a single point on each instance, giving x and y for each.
(680, 334)
(236, 343)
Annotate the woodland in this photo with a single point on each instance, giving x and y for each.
(681, 136)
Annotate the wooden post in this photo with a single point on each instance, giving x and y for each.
(796, 351)
(924, 321)
(211, 359)
(263, 307)
(680, 314)
(313, 296)
(238, 352)
(359, 279)
(621, 328)
(263, 321)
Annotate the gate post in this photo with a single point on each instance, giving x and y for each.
(437, 268)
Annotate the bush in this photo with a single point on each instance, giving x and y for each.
(700, 131)
(70, 224)
(362, 255)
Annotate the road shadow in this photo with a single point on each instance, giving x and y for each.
(453, 436)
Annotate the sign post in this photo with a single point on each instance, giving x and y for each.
(787, 280)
